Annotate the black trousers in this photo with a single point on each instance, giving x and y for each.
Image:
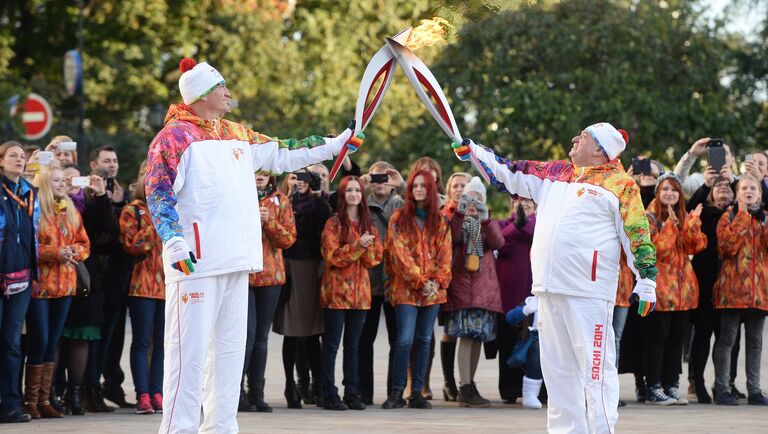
(663, 354)
(365, 356)
(510, 379)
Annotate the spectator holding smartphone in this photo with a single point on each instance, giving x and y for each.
(62, 242)
(382, 201)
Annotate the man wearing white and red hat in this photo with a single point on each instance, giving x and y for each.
(202, 197)
(588, 210)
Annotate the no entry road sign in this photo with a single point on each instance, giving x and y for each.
(36, 116)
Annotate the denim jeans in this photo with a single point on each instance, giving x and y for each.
(262, 302)
(148, 324)
(532, 367)
(414, 327)
(753, 341)
(619, 320)
(350, 322)
(13, 309)
(45, 322)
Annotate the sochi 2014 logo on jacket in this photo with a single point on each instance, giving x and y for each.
(195, 297)
(591, 191)
(237, 153)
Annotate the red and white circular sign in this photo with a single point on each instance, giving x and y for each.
(36, 116)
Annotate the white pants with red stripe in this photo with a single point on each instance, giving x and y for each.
(205, 330)
(578, 355)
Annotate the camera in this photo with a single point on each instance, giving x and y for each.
(641, 166)
(379, 178)
(312, 179)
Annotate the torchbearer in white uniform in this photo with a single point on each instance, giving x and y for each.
(588, 210)
(202, 196)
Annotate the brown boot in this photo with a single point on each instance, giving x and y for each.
(32, 377)
(43, 404)
(470, 397)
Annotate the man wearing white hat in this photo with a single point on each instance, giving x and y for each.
(202, 197)
(588, 210)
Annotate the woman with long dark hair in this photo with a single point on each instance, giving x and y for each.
(419, 249)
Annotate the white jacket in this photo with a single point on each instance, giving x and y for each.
(584, 217)
(200, 185)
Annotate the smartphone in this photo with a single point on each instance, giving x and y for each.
(45, 158)
(111, 184)
(641, 166)
(749, 157)
(379, 178)
(716, 154)
(67, 146)
(81, 181)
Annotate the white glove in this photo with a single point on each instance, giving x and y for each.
(645, 296)
(531, 305)
(180, 255)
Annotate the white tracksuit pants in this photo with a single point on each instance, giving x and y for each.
(205, 331)
(578, 360)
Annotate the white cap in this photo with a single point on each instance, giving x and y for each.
(611, 140)
(475, 185)
(197, 80)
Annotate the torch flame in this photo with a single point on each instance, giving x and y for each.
(427, 33)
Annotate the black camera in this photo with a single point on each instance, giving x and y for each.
(312, 179)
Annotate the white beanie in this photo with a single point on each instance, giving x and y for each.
(476, 185)
(611, 140)
(197, 80)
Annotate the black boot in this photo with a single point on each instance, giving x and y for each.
(304, 393)
(74, 405)
(317, 392)
(292, 395)
(94, 401)
(256, 395)
(700, 388)
(354, 402)
(417, 400)
(447, 358)
(394, 400)
(55, 400)
(116, 394)
(245, 405)
(334, 403)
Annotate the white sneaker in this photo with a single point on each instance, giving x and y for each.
(674, 393)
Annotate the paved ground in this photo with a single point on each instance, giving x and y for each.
(444, 417)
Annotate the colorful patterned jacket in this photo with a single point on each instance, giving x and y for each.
(200, 187)
(277, 234)
(56, 279)
(677, 288)
(626, 283)
(141, 241)
(416, 257)
(585, 216)
(346, 284)
(743, 244)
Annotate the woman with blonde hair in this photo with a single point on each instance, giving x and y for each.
(62, 243)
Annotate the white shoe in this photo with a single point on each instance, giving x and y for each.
(531, 389)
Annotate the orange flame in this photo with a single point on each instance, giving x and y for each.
(427, 33)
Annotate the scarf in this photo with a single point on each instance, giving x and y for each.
(472, 236)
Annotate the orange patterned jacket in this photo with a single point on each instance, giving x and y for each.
(140, 240)
(278, 233)
(416, 257)
(743, 245)
(677, 287)
(345, 279)
(626, 283)
(56, 279)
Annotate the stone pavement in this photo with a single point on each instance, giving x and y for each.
(444, 417)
